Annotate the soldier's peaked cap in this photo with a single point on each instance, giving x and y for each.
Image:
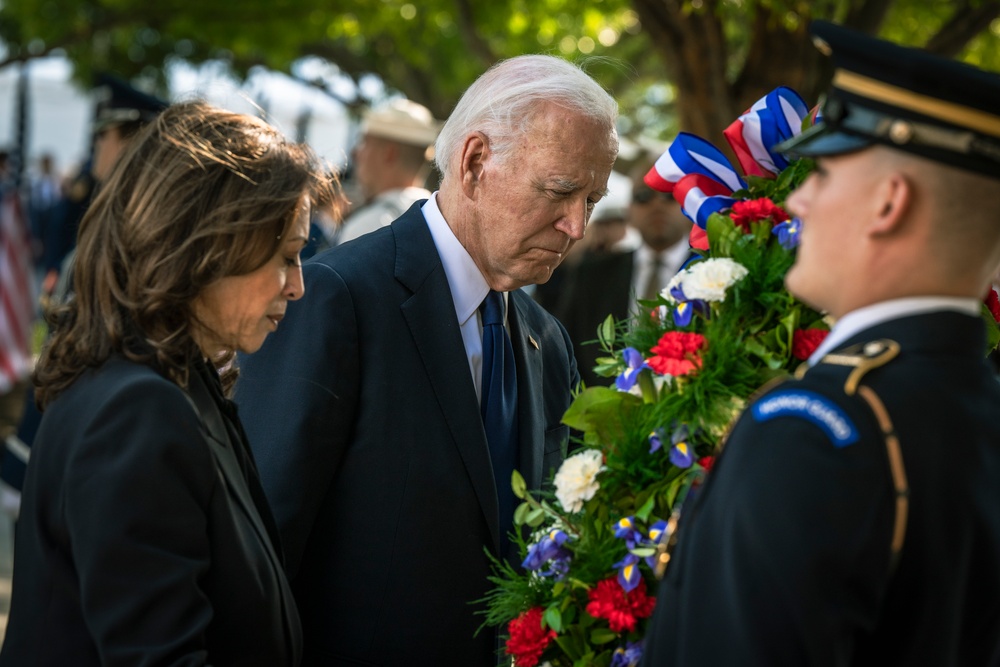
(118, 102)
(906, 98)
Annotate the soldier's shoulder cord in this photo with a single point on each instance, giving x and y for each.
(864, 358)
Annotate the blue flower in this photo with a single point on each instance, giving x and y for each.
(549, 548)
(686, 308)
(681, 453)
(657, 532)
(635, 363)
(788, 233)
(628, 655)
(656, 440)
(625, 529)
(628, 573)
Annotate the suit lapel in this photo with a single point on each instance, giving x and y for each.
(430, 315)
(526, 342)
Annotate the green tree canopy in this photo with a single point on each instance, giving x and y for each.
(674, 64)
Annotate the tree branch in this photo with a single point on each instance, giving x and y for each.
(966, 23)
(867, 15)
(470, 33)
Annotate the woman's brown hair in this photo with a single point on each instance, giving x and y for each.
(199, 194)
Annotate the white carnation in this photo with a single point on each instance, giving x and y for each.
(576, 481)
(709, 280)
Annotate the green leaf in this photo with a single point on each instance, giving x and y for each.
(518, 484)
(558, 588)
(568, 646)
(646, 508)
(535, 517)
(521, 514)
(642, 552)
(992, 329)
(553, 618)
(606, 332)
(602, 636)
(598, 412)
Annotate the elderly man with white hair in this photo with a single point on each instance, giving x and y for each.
(392, 406)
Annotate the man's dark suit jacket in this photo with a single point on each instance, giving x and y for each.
(144, 536)
(598, 286)
(364, 418)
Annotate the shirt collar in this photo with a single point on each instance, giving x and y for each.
(867, 317)
(468, 286)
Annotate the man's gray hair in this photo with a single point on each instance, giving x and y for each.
(502, 103)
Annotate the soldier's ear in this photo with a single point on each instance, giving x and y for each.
(475, 151)
(892, 201)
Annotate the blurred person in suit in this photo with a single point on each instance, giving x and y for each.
(387, 451)
(144, 535)
(607, 281)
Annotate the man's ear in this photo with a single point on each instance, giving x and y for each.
(894, 196)
(473, 156)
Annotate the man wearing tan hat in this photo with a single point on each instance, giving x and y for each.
(390, 163)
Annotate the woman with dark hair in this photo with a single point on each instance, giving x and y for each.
(144, 536)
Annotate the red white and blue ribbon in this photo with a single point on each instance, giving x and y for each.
(771, 120)
(700, 176)
(690, 154)
(702, 196)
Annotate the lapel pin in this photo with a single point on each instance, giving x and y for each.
(534, 343)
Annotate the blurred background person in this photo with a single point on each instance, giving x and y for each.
(120, 112)
(144, 536)
(390, 165)
(44, 193)
(607, 278)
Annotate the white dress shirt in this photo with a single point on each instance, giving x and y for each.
(468, 287)
(867, 317)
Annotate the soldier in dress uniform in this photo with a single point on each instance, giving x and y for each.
(853, 517)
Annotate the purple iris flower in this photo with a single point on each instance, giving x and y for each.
(628, 655)
(686, 308)
(788, 233)
(549, 548)
(635, 363)
(625, 529)
(681, 453)
(657, 532)
(628, 572)
(656, 440)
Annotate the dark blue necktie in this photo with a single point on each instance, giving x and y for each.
(499, 407)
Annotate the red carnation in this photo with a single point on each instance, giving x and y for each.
(755, 210)
(993, 303)
(805, 342)
(677, 353)
(610, 601)
(706, 462)
(528, 639)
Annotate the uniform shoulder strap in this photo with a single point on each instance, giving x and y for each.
(864, 358)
